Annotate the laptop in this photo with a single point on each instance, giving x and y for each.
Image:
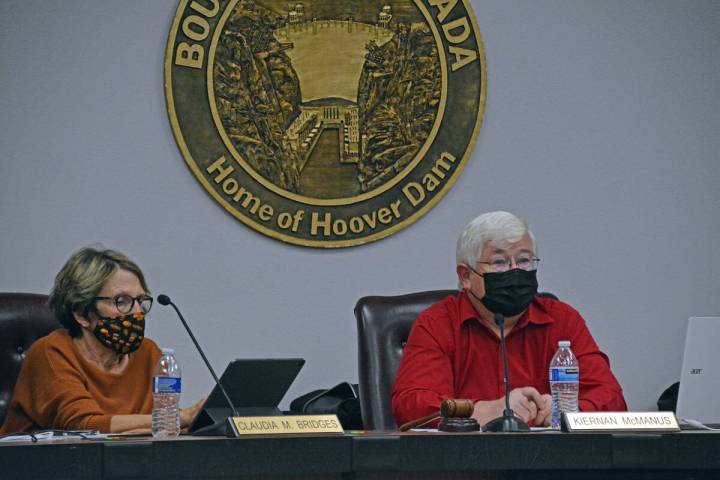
(700, 375)
(255, 386)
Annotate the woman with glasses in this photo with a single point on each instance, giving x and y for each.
(96, 373)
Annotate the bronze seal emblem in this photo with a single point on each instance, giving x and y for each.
(325, 123)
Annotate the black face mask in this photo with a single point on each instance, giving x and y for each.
(509, 293)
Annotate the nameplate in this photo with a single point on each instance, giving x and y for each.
(621, 421)
(285, 424)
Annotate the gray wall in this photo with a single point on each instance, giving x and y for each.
(602, 128)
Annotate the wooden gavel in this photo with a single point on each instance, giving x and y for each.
(451, 408)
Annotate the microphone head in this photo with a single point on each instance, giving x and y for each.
(499, 318)
(163, 299)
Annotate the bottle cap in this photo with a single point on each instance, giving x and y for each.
(171, 351)
(564, 343)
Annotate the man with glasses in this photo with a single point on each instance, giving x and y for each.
(454, 346)
(96, 373)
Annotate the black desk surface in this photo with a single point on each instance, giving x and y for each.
(373, 455)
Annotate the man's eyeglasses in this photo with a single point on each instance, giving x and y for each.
(125, 303)
(503, 264)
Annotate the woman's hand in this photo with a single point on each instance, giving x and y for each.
(187, 415)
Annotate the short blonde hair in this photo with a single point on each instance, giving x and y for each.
(80, 281)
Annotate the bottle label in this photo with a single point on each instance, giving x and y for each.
(167, 385)
(564, 374)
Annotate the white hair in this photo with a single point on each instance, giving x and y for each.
(489, 227)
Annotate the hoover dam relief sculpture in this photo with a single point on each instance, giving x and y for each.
(325, 123)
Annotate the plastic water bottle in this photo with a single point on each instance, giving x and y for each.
(166, 388)
(564, 382)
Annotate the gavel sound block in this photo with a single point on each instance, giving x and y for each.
(455, 417)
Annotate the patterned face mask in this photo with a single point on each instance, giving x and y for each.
(123, 333)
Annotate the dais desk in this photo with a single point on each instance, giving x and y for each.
(375, 455)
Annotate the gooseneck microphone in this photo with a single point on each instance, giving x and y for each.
(165, 300)
(508, 422)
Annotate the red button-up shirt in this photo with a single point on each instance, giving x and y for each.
(451, 354)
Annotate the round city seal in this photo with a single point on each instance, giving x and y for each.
(325, 123)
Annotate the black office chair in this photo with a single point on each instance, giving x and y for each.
(384, 325)
(24, 317)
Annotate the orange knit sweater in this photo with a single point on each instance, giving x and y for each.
(58, 388)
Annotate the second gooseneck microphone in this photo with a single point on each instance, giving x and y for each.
(508, 422)
(165, 300)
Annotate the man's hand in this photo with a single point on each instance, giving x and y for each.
(544, 410)
(526, 402)
(523, 403)
(187, 415)
(540, 414)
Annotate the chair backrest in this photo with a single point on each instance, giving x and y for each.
(383, 325)
(24, 317)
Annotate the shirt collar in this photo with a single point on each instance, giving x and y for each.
(536, 313)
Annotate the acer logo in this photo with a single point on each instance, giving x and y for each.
(696, 371)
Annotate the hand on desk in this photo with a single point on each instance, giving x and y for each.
(187, 415)
(544, 409)
(132, 424)
(526, 402)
